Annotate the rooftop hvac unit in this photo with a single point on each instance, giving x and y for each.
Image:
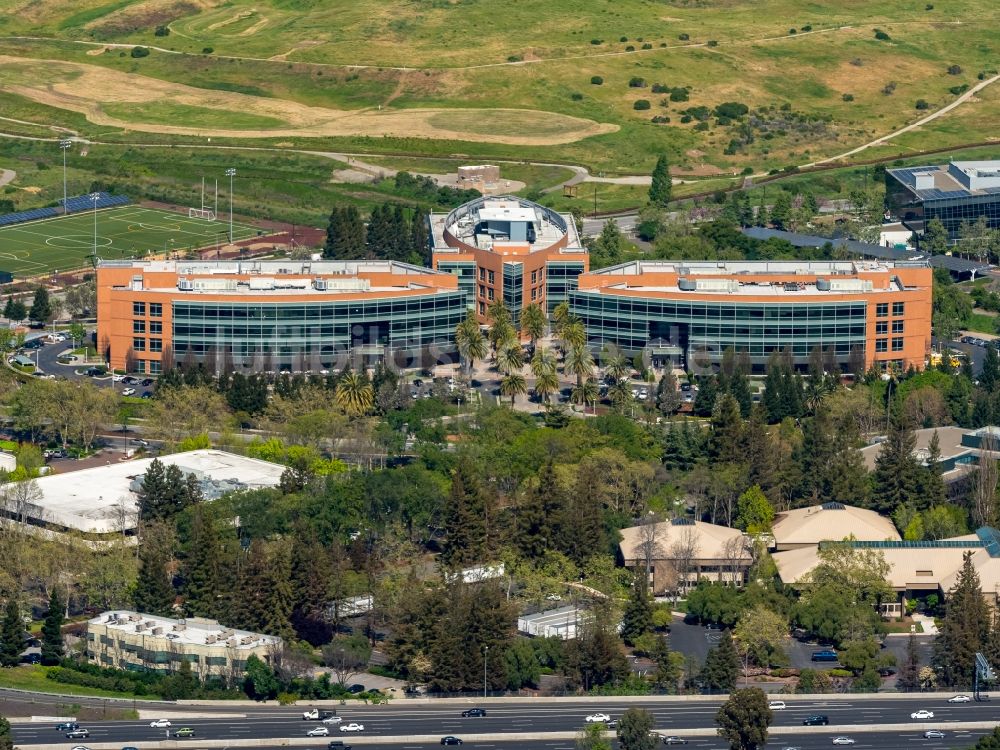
(185, 285)
(134, 617)
(247, 640)
(179, 627)
(211, 638)
(687, 285)
(157, 631)
(319, 285)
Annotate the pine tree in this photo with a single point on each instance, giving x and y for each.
(908, 680)
(637, 619)
(708, 391)
(989, 375)
(6, 739)
(311, 575)
(759, 450)
(660, 187)
(420, 237)
(668, 665)
(41, 306)
(726, 441)
(581, 523)
(11, 634)
(537, 517)
(964, 629)
(897, 474)
(154, 591)
(265, 601)
(378, 238)
(932, 488)
(722, 666)
(152, 492)
(668, 398)
(345, 235)
(52, 638)
(207, 562)
(400, 234)
(465, 519)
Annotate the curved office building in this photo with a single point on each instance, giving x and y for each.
(690, 312)
(274, 315)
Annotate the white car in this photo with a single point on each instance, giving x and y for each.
(117, 378)
(318, 732)
(843, 741)
(160, 723)
(923, 713)
(593, 718)
(128, 392)
(960, 699)
(352, 727)
(332, 720)
(776, 705)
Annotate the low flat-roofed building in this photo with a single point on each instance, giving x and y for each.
(807, 527)
(960, 451)
(103, 499)
(856, 313)
(681, 551)
(563, 622)
(122, 639)
(960, 191)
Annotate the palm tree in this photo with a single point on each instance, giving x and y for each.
(620, 394)
(574, 336)
(546, 383)
(560, 314)
(510, 358)
(501, 335)
(586, 392)
(513, 385)
(579, 362)
(354, 394)
(533, 322)
(469, 341)
(496, 312)
(617, 368)
(544, 361)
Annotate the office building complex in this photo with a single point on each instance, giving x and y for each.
(856, 313)
(150, 643)
(956, 192)
(511, 249)
(274, 315)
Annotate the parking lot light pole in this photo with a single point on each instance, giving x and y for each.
(230, 173)
(95, 197)
(64, 144)
(486, 651)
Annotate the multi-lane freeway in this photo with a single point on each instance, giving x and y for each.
(412, 719)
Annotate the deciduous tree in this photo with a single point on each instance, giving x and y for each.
(744, 719)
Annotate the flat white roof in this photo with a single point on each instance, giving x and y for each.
(90, 499)
(190, 631)
(506, 211)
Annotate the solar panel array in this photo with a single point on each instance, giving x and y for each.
(907, 175)
(73, 205)
(909, 544)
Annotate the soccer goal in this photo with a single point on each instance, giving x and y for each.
(201, 213)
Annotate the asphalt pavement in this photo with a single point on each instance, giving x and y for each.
(403, 719)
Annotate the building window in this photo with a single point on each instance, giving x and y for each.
(156, 326)
(138, 326)
(489, 277)
(534, 277)
(489, 295)
(881, 329)
(482, 308)
(138, 308)
(482, 290)
(155, 310)
(534, 294)
(897, 326)
(154, 367)
(140, 365)
(139, 344)
(156, 345)
(881, 345)
(897, 344)
(898, 307)
(882, 310)
(482, 274)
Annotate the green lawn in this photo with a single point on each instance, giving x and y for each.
(67, 242)
(982, 323)
(33, 678)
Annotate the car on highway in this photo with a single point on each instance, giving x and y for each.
(451, 740)
(310, 715)
(843, 740)
(816, 720)
(130, 747)
(923, 713)
(776, 705)
(67, 726)
(78, 734)
(960, 699)
(160, 723)
(593, 718)
(474, 712)
(128, 391)
(330, 719)
(184, 732)
(79, 747)
(318, 732)
(352, 727)
(673, 740)
(337, 745)
(933, 734)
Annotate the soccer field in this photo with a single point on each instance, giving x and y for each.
(67, 242)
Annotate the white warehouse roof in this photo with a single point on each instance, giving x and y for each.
(92, 500)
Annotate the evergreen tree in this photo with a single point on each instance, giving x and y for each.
(668, 665)
(420, 238)
(264, 604)
(311, 575)
(964, 630)
(635, 730)
(726, 441)
(897, 474)
(154, 591)
(845, 478)
(661, 186)
(908, 680)
(722, 666)
(465, 520)
(759, 450)
(153, 492)
(208, 561)
(932, 488)
(989, 375)
(41, 306)
(7, 740)
(581, 523)
(781, 211)
(52, 638)
(538, 516)
(400, 234)
(345, 235)
(637, 619)
(935, 238)
(668, 398)
(708, 391)
(378, 237)
(11, 635)
(744, 719)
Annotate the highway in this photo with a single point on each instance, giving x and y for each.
(438, 718)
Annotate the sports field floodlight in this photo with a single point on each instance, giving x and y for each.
(64, 144)
(231, 173)
(95, 197)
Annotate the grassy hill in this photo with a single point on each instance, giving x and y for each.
(465, 77)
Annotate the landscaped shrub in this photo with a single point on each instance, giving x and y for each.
(623, 39)
(630, 48)
(596, 80)
(647, 45)
(641, 104)
(793, 31)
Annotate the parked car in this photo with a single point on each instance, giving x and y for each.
(824, 655)
(816, 720)
(130, 747)
(128, 392)
(31, 659)
(356, 688)
(474, 712)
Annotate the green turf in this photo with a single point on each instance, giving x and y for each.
(67, 242)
